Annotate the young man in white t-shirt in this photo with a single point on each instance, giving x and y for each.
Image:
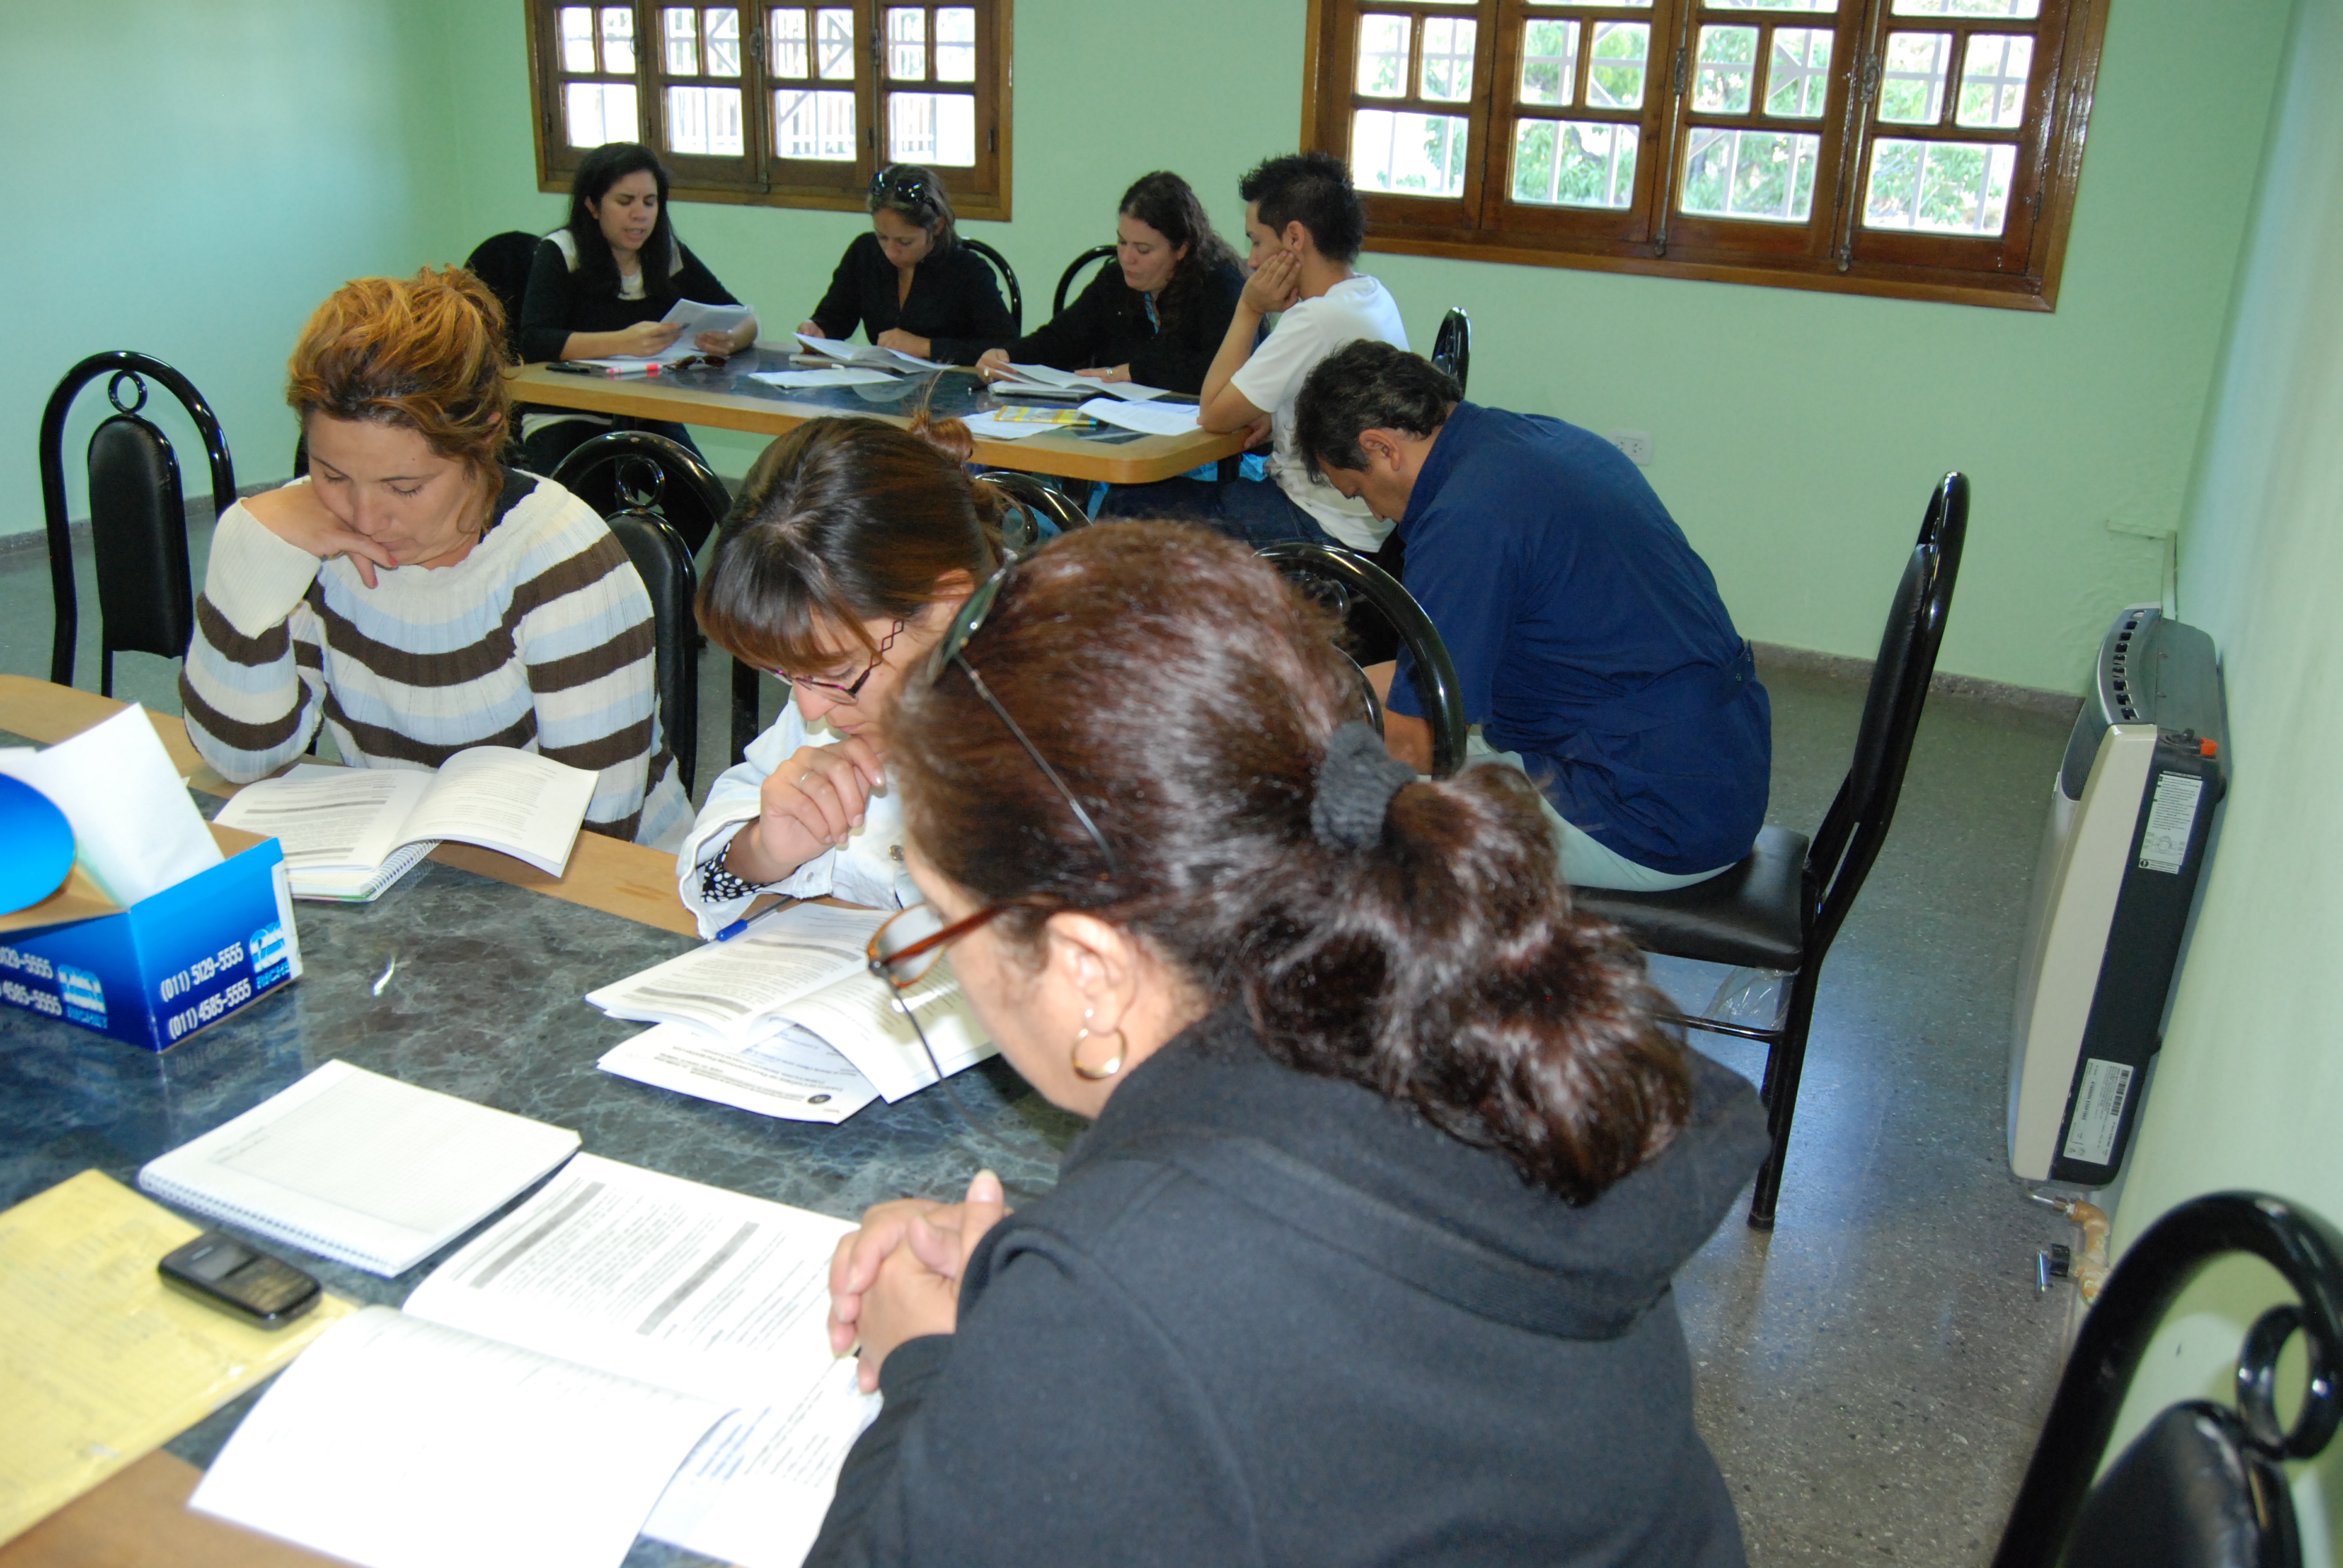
(1306, 226)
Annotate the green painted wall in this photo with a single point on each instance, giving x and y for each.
(193, 180)
(2249, 1090)
(1796, 434)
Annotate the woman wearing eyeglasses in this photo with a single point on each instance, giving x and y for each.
(910, 284)
(1366, 1256)
(849, 548)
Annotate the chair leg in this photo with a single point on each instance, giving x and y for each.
(105, 671)
(1785, 1065)
(744, 710)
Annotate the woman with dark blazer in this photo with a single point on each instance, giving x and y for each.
(600, 284)
(910, 284)
(1157, 315)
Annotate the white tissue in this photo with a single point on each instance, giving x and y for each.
(135, 830)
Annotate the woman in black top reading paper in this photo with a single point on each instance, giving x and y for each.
(910, 284)
(1158, 315)
(600, 284)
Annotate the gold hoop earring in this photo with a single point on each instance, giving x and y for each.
(1095, 1074)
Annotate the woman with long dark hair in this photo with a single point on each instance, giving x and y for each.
(1158, 315)
(910, 283)
(1366, 1256)
(851, 544)
(600, 284)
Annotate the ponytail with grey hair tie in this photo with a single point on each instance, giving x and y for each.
(1356, 781)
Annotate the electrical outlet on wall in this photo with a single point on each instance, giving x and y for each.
(1636, 444)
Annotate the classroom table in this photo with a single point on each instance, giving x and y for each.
(463, 978)
(728, 399)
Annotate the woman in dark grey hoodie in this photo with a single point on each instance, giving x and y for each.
(1367, 1256)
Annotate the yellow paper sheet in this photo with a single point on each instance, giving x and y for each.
(99, 1362)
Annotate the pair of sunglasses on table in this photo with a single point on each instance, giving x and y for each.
(907, 946)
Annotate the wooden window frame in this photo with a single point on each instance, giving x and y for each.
(1832, 250)
(760, 177)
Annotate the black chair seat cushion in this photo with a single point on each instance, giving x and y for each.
(2190, 1492)
(1750, 916)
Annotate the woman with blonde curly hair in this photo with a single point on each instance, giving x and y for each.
(412, 593)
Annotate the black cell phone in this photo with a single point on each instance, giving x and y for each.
(577, 367)
(218, 1269)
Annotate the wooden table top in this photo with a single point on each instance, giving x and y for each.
(728, 400)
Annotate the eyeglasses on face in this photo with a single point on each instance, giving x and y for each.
(952, 651)
(847, 691)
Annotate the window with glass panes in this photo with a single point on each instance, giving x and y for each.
(786, 105)
(1927, 149)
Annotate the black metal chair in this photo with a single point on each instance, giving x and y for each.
(1780, 908)
(137, 516)
(1451, 347)
(1074, 270)
(614, 470)
(663, 563)
(1027, 504)
(502, 262)
(2203, 1486)
(1008, 276)
(1348, 584)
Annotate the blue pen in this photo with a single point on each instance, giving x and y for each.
(737, 927)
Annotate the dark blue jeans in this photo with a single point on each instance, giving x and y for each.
(1254, 511)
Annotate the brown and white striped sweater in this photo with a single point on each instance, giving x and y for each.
(541, 639)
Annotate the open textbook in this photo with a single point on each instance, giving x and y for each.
(349, 834)
(1047, 381)
(842, 353)
(748, 1022)
(626, 1352)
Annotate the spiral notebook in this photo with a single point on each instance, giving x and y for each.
(359, 1168)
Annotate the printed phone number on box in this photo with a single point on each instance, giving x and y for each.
(210, 1008)
(25, 996)
(201, 970)
(32, 964)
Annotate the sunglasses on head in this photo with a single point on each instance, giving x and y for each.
(899, 182)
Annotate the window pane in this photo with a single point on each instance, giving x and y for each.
(1575, 162)
(1767, 175)
(1993, 79)
(931, 128)
(1611, 84)
(2020, 9)
(1382, 56)
(1448, 58)
(1912, 88)
(683, 41)
(1772, 5)
(1606, 5)
(907, 44)
(956, 44)
(833, 34)
(1943, 188)
(618, 42)
(705, 121)
(1549, 62)
(1409, 154)
(814, 126)
(1797, 79)
(598, 112)
(1728, 69)
(787, 55)
(723, 42)
(578, 38)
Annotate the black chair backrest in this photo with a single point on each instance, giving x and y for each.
(1008, 276)
(646, 472)
(1074, 270)
(1856, 826)
(2202, 1487)
(138, 522)
(663, 563)
(1027, 503)
(1343, 579)
(502, 262)
(1451, 348)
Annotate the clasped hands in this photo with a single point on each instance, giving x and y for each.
(898, 1277)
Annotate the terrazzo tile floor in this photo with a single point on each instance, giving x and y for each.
(1870, 1374)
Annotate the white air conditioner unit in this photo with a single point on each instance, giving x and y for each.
(2122, 855)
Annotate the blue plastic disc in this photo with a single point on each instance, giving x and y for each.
(36, 846)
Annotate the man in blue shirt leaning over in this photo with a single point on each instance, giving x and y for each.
(1589, 640)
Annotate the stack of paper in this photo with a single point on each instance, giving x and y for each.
(1151, 419)
(828, 376)
(1046, 381)
(832, 350)
(359, 1168)
(787, 1020)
